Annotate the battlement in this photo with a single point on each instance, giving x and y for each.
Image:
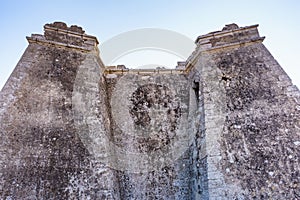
(63, 26)
(58, 33)
(230, 35)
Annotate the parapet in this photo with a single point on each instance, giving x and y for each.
(118, 71)
(181, 65)
(58, 33)
(230, 35)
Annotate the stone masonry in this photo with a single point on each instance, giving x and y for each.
(225, 124)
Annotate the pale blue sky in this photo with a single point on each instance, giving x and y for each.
(278, 20)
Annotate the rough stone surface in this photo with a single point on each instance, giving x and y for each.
(224, 125)
(251, 120)
(149, 113)
(260, 126)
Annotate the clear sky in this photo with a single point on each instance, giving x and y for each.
(278, 20)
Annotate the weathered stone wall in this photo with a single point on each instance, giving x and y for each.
(149, 127)
(252, 118)
(42, 154)
(224, 127)
(68, 132)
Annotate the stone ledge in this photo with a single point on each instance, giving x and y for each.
(145, 71)
(40, 39)
(73, 35)
(237, 44)
(225, 32)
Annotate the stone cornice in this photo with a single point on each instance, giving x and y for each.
(144, 71)
(71, 33)
(40, 39)
(59, 34)
(225, 32)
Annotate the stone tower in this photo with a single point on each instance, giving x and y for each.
(224, 126)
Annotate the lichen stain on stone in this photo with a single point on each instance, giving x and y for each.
(256, 143)
(245, 79)
(153, 96)
(64, 67)
(162, 180)
(156, 112)
(47, 149)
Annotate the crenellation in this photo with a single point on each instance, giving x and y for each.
(226, 31)
(62, 27)
(60, 34)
